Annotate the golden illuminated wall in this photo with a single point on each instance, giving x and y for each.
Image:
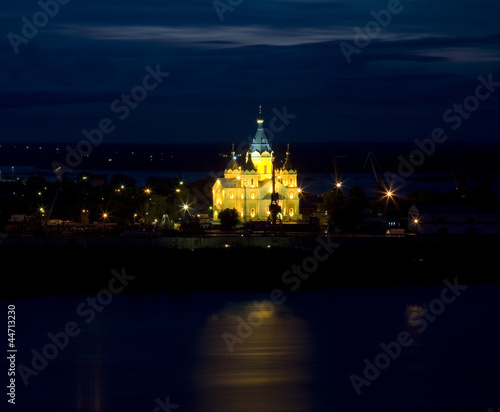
(264, 165)
(252, 201)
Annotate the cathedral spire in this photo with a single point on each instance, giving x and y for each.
(232, 164)
(249, 165)
(260, 119)
(288, 163)
(260, 142)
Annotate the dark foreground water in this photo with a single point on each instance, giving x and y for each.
(236, 352)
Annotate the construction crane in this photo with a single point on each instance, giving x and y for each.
(380, 185)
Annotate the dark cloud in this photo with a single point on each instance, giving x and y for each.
(274, 53)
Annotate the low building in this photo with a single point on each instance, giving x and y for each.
(454, 219)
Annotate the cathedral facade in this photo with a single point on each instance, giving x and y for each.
(248, 187)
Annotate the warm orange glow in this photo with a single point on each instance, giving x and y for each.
(267, 370)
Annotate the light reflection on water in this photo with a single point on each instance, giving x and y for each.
(90, 374)
(297, 356)
(269, 368)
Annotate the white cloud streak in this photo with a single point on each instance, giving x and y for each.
(225, 36)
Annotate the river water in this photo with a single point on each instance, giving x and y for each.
(268, 351)
(314, 183)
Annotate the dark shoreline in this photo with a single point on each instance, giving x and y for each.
(55, 269)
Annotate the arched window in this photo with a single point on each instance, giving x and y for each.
(290, 212)
(291, 195)
(265, 168)
(252, 195)
(231, 195)
(252, 212)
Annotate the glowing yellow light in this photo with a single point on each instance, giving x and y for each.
(415, 221)
(339, 184)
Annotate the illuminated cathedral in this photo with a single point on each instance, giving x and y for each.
(248, 187)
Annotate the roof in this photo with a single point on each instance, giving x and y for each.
(260, 143)
(232, 164)
(288, 163)
(267, 196)
(229, 182)
(249, 163)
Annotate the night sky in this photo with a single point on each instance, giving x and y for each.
(225, 58)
